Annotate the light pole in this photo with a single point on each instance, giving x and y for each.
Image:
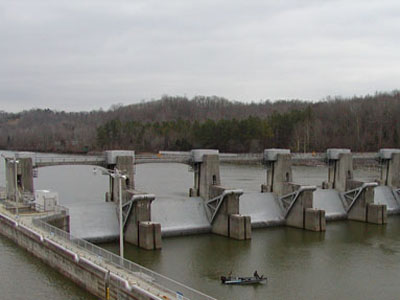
(16, 183)
(116, 174)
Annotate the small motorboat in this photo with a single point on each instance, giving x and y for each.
(243, 280)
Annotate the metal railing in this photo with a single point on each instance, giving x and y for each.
(44, 160)
(154, 158)
(153, 278)
(58, 209)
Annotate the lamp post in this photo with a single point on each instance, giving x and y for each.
(116, 174)
(15, 161)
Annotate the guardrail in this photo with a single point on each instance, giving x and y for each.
(43, 160)
(58, 209)
(161, 281)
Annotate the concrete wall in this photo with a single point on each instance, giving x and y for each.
(314, 219)
(60, 221)
(239, 227)
(24, 177)
(149, 235)
(340, 171)
(25, 170)
(10, 180)
(125, 166)
(140, 212)
(377, 214)
(295, 217)
(358, 211)
(228, 222)
(89, 276)
(365, 210)
(279, 175)
(139, 230)
(390, 171)
(208, 175)
(229, 206)
(303, 215)
(280, 182)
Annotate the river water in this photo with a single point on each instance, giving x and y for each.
(350, 260)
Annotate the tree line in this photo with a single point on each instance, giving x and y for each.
(252, 134)
(177, 123)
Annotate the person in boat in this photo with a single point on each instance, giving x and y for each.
(257, 276)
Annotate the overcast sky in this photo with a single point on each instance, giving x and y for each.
(82, 55)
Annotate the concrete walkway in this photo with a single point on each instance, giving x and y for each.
(141, 280)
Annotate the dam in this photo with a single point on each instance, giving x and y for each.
(329, 197)
(252, 182)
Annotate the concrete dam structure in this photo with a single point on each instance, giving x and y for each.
(136, 205)
(211, 207)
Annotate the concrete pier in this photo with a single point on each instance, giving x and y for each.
(296, 201)
(279, 171)
(359, 209)
(149, 235)
(357, 197)
(139, 229)
(377, 214)
(301, 213)
(390, 167)
(222, 204)
(124, 162)
(340, 164)
(22, 181)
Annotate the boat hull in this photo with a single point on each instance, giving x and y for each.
(242, 280)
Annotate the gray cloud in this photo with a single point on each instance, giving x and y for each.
(83, 55)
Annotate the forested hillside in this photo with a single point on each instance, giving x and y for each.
(175, 123)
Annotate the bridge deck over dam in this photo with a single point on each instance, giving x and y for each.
(40, 160)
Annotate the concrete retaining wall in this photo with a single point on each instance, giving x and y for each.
(83, 272)
(60, 221)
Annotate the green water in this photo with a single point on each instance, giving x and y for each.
(24, 277)
(351, 260)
